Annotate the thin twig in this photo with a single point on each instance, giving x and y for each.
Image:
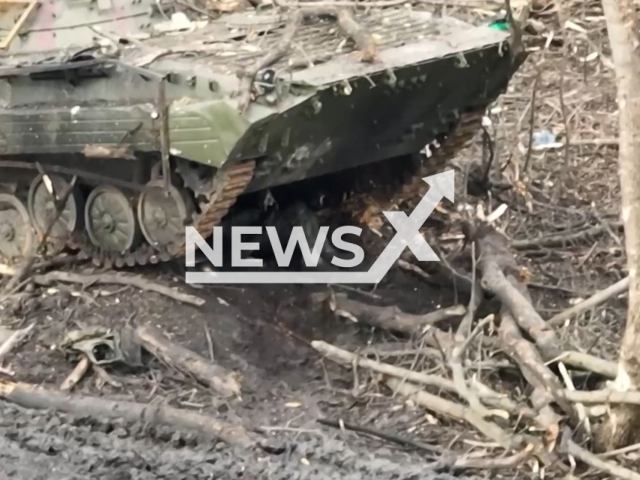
(532, 122)
(602, 296)
(405, 442)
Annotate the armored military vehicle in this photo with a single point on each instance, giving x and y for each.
(122, 121)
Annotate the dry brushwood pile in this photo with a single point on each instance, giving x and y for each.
(496, 362)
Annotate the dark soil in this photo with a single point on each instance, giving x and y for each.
(262, 332)
(44, 445)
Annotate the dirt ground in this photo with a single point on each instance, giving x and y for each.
(264, 332)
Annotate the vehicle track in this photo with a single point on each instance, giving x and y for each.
(45, 445)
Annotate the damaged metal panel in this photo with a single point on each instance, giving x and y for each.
(43, 130)
(157, 108)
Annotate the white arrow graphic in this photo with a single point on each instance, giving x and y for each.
(407, 235)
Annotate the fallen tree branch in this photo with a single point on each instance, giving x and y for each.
(455, 411)
(600, 297)
(32, 396)
(459, 380)
(220, 379)
(117, 279)
(612, 468)
(490, 397)
(347, 24)
(546, 385)
(589, 362)
(347, 358)
(72, 380)
(462, 339)
(15, 338)
(496, 263)
(602, 396)
(392, 318)
(583, 418)
(8, 270)
(598, 142)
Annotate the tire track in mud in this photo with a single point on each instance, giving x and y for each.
(38, 445)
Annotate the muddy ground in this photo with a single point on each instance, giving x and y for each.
(264, 331)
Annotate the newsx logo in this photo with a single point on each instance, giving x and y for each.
(407, 235)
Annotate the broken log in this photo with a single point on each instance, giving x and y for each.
(497, 264)
(392, 318)
(544, 382)
(219, 378)
(32, 396)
